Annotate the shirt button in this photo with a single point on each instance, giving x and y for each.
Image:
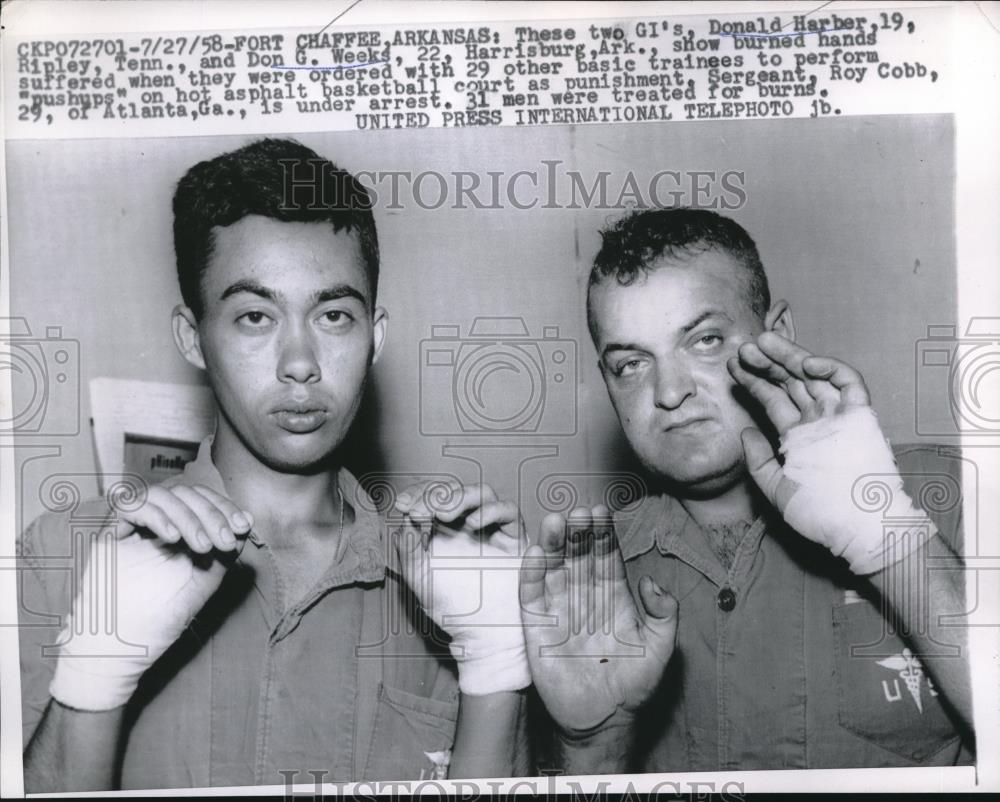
(726, 599)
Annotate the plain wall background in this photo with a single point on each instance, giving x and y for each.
(853, 218)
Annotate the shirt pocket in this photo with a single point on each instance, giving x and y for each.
(412, 736)
(883, 693)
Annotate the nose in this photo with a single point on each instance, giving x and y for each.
(674, 385)
(297, 361)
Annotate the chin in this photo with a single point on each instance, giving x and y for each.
(699, 478)
(299, 453)
(706, 487)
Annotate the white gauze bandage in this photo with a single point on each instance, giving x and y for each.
(136, 598)
(827, 458)
(473, 590)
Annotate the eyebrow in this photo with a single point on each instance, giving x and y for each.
(320, 296)
(684, 330)
(246, 285)
(337, 292)
(703, 317)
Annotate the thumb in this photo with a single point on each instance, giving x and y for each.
(765, 469)
(660, 617)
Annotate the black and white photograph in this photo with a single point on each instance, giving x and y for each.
(647, 447)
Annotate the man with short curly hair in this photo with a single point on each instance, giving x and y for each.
(811, 624)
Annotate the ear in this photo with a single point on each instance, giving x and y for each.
(186, 336)
(380, 321)
(779, 320)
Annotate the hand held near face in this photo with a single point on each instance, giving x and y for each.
(833, 460)
(836, 459)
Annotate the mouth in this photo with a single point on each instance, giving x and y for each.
(688, 425)
(300, 418)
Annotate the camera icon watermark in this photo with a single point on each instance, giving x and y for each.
(965, 370)
(45, 380)
(497, 380)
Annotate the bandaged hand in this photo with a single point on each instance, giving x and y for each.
(147, 574)
(459, 553)
(830, 439)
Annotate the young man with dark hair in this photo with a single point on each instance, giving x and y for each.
(263, 617)
(786, 655)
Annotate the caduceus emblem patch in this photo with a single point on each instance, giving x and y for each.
(911, 673)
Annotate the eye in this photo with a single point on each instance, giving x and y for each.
(253, 319)
(336, 317)
(626, 367)
(708, 342)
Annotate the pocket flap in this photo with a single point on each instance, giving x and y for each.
(412, 737)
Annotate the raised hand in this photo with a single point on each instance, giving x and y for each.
(594, 655)
(459, 554)
(197, 515)
(794, 387)
(161, 575)
(830, 439)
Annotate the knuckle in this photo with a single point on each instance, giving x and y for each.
(156, 495)
(179, 490)
(212, 496)
(158, 523)
(184, 517)
(182, 493)
(212, 517)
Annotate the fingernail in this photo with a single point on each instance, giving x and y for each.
(174, 533)
(226, 536)
(240, 521)
(202, 537)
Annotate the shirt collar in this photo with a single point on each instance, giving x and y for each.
(663, 522)
(654, 523)
(362, 556)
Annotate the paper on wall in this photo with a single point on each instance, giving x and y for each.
(147, 428)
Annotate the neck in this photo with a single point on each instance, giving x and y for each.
(731, 506)
(294, 499)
